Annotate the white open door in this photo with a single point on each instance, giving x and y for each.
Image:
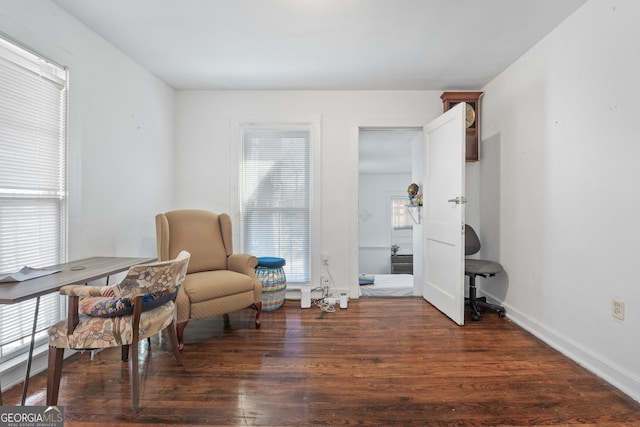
(444, 199)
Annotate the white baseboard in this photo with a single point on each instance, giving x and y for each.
(295, 292)
(13, 372)
(605, 369)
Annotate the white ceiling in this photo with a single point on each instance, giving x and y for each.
(323, 44)
(326, 45)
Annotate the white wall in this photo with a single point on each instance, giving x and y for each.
(376, 234)
(559, 161)
(121, 133)
(204, 152)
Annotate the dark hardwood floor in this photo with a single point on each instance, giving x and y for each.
(382, 361)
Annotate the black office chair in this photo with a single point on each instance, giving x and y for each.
(478, 267)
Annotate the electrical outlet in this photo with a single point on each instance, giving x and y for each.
(617, 309)
(324, 281)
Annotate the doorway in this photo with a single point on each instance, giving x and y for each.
(387, 159)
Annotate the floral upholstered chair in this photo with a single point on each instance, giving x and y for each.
(120, 315)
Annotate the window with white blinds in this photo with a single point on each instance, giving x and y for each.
(33, 105)
(276, 196)
(400, 214)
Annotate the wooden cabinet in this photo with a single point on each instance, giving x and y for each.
(449, 99)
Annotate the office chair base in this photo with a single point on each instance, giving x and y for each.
(476, 302)
(481, 302)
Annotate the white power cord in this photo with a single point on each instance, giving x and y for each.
(325, 306)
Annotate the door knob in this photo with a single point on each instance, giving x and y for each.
(457, 200)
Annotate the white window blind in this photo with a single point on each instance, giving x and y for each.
(276, 197)
(33, 105)
(400, 214)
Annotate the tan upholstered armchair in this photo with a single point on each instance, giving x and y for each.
(218, 281)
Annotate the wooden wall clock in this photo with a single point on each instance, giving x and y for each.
(472, 99)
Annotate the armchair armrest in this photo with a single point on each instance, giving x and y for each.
(74, 292)
(86, 291)
(242, 263)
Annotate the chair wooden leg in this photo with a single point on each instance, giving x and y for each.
(171, 329)
(124, 353)
(258, 306)
(54, 372)
(135, 377)
(180, 332)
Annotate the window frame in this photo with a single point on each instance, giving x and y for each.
(51, 307)
(236, 153)
(407, 221)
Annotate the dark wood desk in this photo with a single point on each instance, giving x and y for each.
(71, 273)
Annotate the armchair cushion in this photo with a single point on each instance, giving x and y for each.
(210, 285)
(105, 306)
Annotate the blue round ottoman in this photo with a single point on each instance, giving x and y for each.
(270, 272)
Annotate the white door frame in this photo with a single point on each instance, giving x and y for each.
(401, 122)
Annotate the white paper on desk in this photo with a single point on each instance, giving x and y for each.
(25, 273)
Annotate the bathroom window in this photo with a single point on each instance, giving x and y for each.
(400, 214)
